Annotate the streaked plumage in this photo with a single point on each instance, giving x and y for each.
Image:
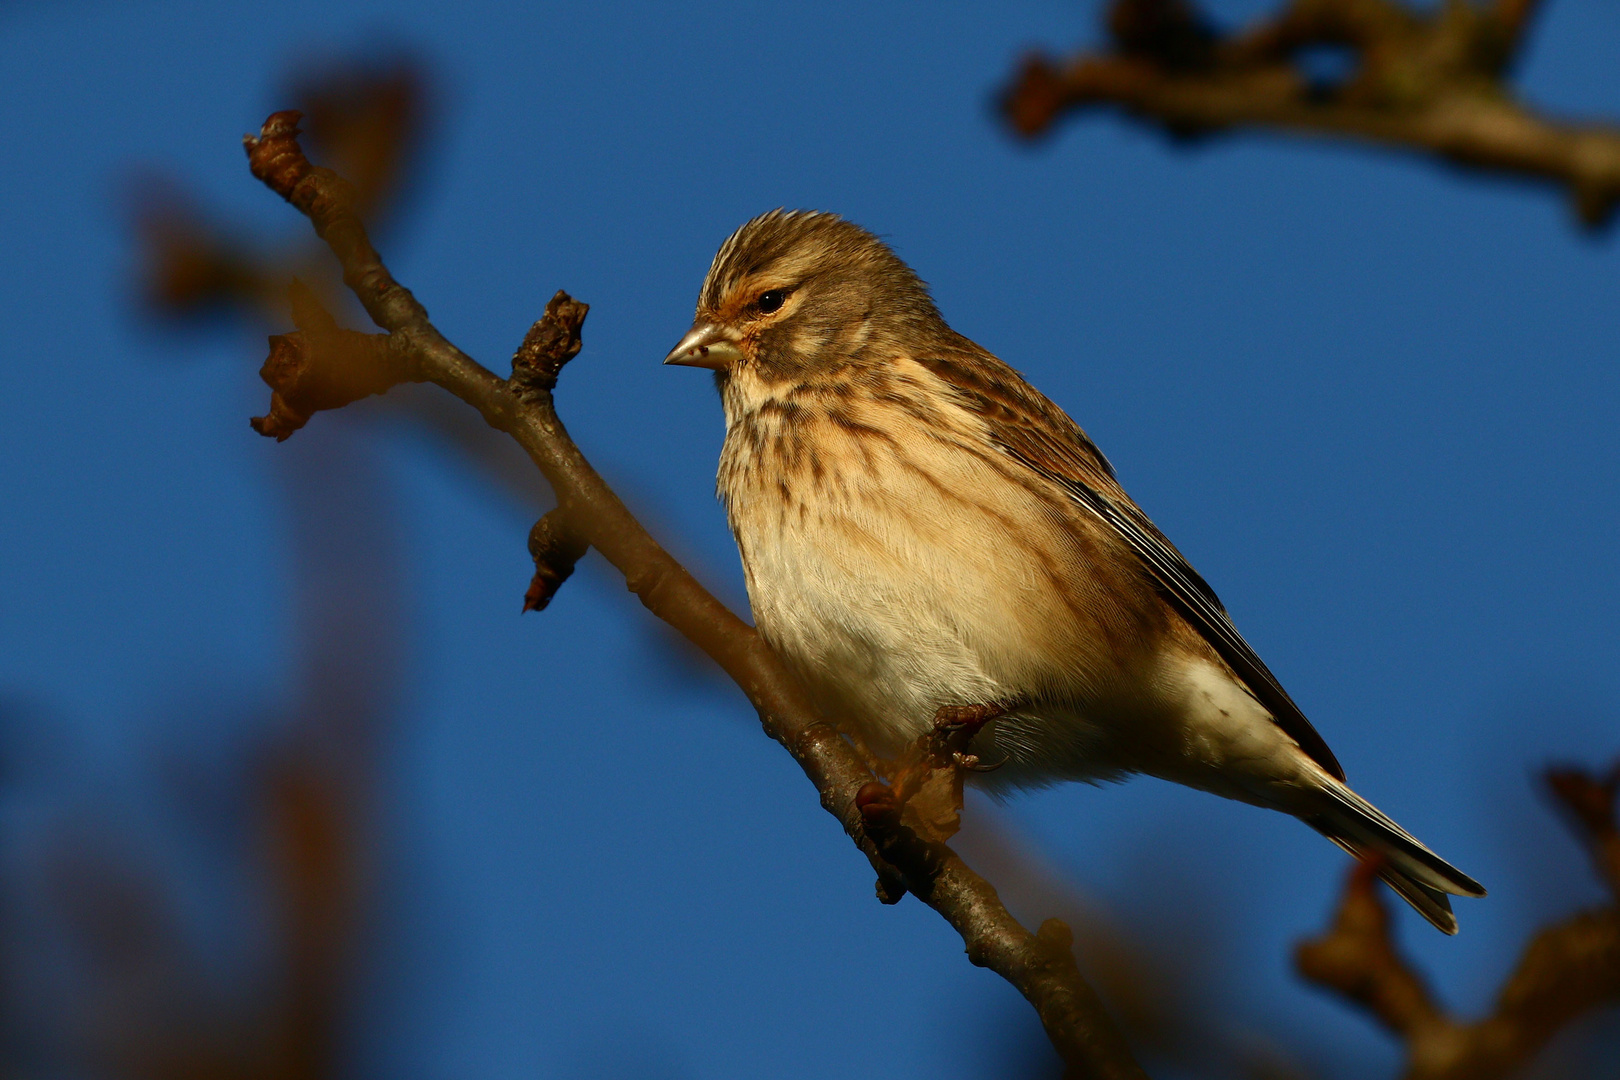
(920, 527)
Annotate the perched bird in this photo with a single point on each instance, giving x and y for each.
(922, 531)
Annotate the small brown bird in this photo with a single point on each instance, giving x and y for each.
(923, 532)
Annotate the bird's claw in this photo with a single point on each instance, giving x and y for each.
(973, 763)
(955, 727)
(953, 719)
(926, 784)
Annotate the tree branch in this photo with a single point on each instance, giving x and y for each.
(1589, 803)
(1568, 969)
(1515, 16)
(1358, 958)
(1040, 965)
(1425, 80)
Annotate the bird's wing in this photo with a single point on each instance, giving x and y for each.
(1042, 437)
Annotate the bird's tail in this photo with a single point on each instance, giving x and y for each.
(1419, 876)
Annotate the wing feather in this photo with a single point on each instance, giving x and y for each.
(1041, 437)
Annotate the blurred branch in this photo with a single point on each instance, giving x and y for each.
(189, 265)
(148, 999)
(1150, 985)
(367, 117)
(312, 838)
(1427, 79)
(1040, 965)
(1567, 970)
(1589, 802)
(1515, 16)
(368, 120)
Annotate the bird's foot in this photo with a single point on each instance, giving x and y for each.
(925, 788)
(956, 726)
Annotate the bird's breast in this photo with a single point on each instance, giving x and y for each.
(899, 566)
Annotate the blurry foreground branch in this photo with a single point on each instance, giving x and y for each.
(322, 367)
(1430, 78)
(1567, 970)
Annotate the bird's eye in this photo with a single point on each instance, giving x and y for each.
(771, 299)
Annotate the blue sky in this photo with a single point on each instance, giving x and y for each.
(1372, 400)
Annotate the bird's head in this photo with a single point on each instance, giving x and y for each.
(797, 292)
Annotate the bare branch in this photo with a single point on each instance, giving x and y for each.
(1040, 965)
(1567, 970)
(1429, 81)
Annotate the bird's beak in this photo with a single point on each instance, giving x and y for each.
(706, 345)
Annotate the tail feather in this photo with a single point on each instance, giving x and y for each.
(1432, 904)
(1419, 876)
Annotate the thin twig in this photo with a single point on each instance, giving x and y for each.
(1040, 965)
(1429, 80)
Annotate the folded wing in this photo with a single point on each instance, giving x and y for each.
(1036, 433)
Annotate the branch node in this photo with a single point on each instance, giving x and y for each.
(555, 548)
(550, 343)
(325, 197)
(323, 366)
(927, 778)
(1056, 934)
(876, 802)
(890, 888)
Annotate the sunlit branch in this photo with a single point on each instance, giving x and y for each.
(312, 373)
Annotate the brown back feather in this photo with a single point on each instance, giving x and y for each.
(1029, 428)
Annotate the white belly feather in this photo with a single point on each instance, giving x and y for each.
(866, 594)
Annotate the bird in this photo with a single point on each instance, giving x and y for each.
(924, 534)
